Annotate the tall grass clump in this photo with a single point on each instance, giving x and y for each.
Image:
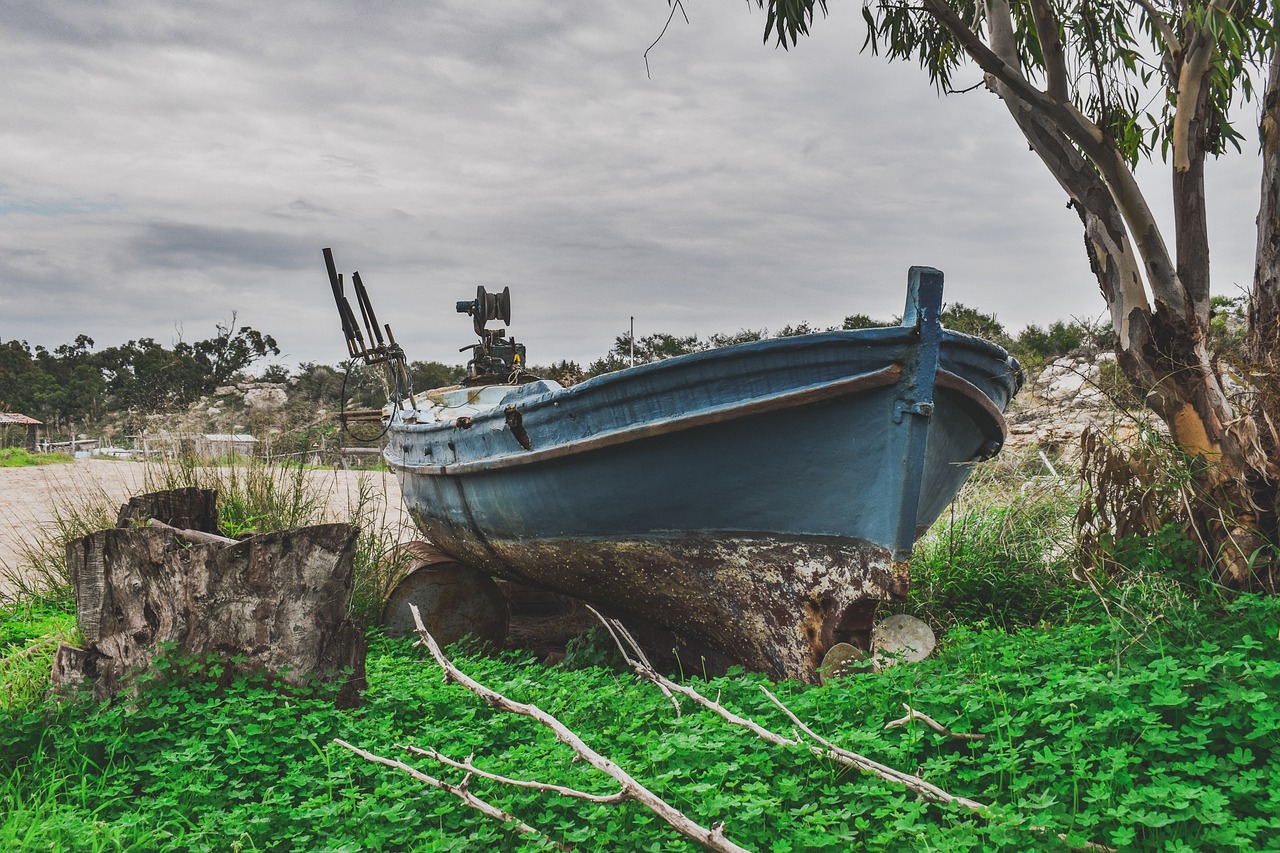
(1003, 553)
(259, 497)
(1140, 549)
(383, 527)
(253, 498)
(41, 571)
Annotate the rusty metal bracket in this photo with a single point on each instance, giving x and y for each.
(901, 407)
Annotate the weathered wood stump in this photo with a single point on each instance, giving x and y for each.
(189, 509)
(275, 603)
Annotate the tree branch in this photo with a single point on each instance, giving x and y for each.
(913, 714)
(1051, 48)
(712, 838)
(1172, 44)
(1003, 43)
(471, 769)
(675, 5)
(459, 791)
(820, 747)
(824, 747)
(1192, 77)
(1092, 141)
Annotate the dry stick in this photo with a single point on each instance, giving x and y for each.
(459, 791)
(647, 672)
(927, 790)
(599, 799)
(641, 658)
(712, 838)
(47, 641)
(193, 535)
(824, 748)
(913, 714)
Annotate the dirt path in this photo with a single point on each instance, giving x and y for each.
(30, 497)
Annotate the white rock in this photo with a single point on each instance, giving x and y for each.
(267, 397)
(1069, 379)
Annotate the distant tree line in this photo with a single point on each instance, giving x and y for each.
(74, 384)
(1033, 346)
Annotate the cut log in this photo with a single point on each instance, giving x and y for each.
(276, 603)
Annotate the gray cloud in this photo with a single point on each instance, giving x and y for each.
(185, 246)
(164, 165)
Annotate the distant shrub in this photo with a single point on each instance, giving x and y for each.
(961, 318)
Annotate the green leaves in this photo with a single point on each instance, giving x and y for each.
(1174, 748)
(1120, 60)
(789, 19)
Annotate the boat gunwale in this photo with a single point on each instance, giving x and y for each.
(885, 377)
(878, 336)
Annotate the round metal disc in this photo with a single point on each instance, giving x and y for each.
(841, 659)
(504, 306)
(903, 637)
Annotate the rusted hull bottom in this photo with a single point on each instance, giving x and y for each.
(773, 605)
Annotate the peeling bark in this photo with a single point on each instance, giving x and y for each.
(1159, 308)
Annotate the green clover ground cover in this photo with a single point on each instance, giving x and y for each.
(1172, 743)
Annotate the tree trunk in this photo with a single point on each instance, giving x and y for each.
(189, 509)
(276, 603)
(1161, 339)
(1264, 330)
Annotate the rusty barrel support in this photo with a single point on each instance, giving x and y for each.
(455, 599)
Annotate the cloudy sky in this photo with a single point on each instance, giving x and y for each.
(163, 165)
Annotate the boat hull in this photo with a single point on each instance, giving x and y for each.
(757, 500)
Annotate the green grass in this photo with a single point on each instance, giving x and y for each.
(1137, 709)
(1003, 553)
(29, 636)
(1176, 748)
(17, 457)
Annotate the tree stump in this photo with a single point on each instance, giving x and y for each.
(192, 509)
(275, 603)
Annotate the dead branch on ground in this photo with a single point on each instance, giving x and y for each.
(460, 791)
(913, 714)
(712, 838)
(635, 659)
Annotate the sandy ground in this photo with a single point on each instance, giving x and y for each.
(30, 497)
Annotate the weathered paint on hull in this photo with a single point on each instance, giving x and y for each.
(759, 498)
(771, 605)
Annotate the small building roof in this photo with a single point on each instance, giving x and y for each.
(230, 437)
(15, 418)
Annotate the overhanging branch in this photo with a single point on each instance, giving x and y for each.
(1161, 275)
(1051, 49)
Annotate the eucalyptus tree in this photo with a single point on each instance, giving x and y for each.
(1095, 87)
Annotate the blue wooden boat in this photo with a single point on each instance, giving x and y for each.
(759, 499)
